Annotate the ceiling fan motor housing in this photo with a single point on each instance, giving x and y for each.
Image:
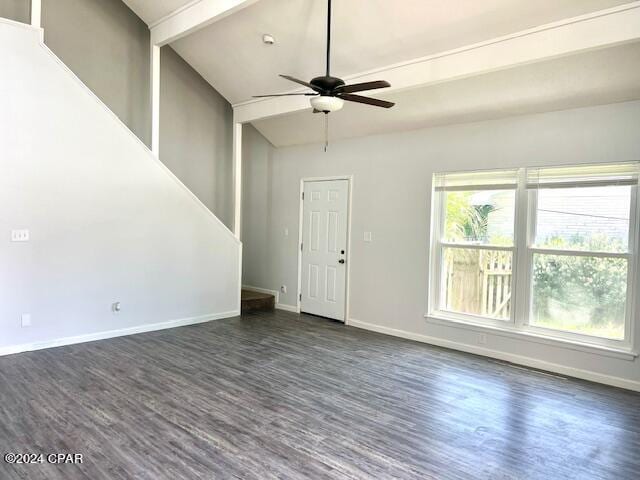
(327, 83)
(329, 93)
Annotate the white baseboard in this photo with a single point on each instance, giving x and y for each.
(59, 342)
(288, 308)
(508, 357)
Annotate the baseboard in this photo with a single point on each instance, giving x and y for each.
(59, 342)
(508, 357)
(288, 308)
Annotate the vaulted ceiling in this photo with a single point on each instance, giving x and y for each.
(372, 34)
(603, 76)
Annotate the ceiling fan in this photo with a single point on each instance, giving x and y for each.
(329, 93)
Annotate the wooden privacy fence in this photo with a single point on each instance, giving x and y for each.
(478, 282)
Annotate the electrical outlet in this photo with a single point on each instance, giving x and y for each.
(482, 339)
(283, 288)
(20, 235)
(367, 237)
(26, 319)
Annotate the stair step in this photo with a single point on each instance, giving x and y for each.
(257, 302)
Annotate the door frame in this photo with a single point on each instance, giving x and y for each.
(347, 287)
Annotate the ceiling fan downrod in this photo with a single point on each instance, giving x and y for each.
(329, 38)
(329, 93)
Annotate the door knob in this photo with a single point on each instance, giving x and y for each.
(341, 260)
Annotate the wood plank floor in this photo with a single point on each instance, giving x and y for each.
(277, 395)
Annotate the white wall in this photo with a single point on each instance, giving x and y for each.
(108, 221)
(391, 198)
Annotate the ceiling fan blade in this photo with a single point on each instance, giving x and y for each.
(301, 82)
(368, 100)
(361, 87)
(285, 95)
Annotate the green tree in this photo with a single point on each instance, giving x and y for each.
(592, 283)
(465, 221)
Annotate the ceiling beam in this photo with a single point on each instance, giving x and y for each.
(569, 36)
(192, 17)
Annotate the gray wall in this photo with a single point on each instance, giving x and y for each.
(257, 176)
(196, 134)
(107, 46)
(18, 10)
(391, 198)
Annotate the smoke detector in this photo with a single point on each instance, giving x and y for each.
(268, 39)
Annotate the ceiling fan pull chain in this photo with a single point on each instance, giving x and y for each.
(326, 131)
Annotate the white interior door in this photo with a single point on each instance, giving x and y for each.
(324, 248)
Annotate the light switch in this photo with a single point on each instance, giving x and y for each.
(26, 320)
(286, 232)
(367, 236)
(20, 235)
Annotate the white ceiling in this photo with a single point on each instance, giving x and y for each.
(153, 10)
(371, 34)
(598, 77)
(367, 34)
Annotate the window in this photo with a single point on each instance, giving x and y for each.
(544, 250)
(580, 248)
(477, 242)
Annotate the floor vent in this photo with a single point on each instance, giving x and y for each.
(529, 369)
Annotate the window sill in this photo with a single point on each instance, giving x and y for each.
(441, 318)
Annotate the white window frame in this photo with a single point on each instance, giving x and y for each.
(522, 261)
(438, 216)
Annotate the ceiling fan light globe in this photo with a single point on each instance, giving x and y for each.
(326, 103)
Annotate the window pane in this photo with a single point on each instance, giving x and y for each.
(584, 295)
(586, 218)
(477, 282)
(480, 217)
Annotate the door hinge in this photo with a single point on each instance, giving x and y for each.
(302, 195)
(301, 247)
(300, 297)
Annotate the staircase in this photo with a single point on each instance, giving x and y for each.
(257, 302)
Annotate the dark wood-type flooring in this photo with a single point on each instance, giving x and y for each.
(277, 395)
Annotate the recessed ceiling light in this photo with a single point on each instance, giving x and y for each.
(268, 39)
